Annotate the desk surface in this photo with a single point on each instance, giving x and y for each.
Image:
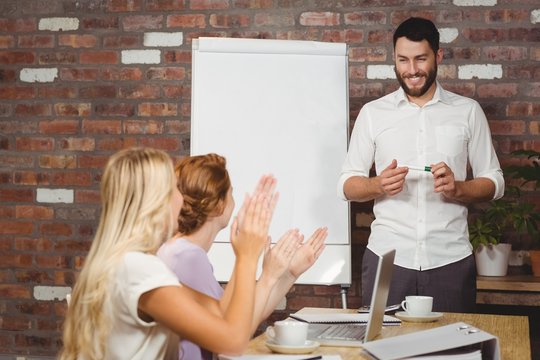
(512, 331)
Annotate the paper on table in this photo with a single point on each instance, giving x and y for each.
(277, 357)
(453, 355)
(332, 318)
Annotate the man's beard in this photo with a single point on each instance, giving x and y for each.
(430, 79)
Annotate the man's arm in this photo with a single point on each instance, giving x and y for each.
(469, 191)
(389, 182)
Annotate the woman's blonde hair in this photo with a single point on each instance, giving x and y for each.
(204, 182)
(136, 192)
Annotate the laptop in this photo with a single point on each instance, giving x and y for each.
(355, 334)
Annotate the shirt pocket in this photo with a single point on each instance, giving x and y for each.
(450, 140)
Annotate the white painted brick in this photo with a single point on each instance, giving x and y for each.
(141, 57)
(480, 71)
(163, 39)
(448, 35)
(381, 72)
(55, 196)
(49, 293)
(38, 75)
(535, 16)
(474, 2)
(58, 24)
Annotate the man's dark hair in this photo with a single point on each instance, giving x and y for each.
(418, 29)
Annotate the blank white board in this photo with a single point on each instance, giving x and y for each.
(279, 107)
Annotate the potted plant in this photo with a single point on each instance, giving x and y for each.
(529, 172)
(503, 220)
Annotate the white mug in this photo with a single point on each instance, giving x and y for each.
(288, 332)
(417, 305)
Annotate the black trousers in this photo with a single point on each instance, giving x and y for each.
(453, 286)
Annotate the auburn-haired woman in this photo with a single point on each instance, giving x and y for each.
(208, 204)
(126, 303)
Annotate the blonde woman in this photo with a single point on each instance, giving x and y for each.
(126, 303)
(208, 204)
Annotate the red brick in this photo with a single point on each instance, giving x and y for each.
(124, 5)
(77, 41)
(72, 109)
(77, 144)
(121, 74)
(365, 18)
(165, 5)
(139, 91)
(71, 246)
(6, 41)
(57, 127)
(25, 24)
(33, 109)
(157, 109)
(56, 229)
(175, 91)
(208, 4)
(370, 90)
(15, 324)
(507, 127)
(166, 73)
(98, 91)
(333, 36)
(29, 341)
(34, 308)
(457, 53)
(36, 41)
(99, 57)
(18, 92)
(499, 90)
(363, 54)
(93, 161)
(462, 88)
(61, 92)
(7, 76)
(167, 144)
(34, 144)
(186, 21)
(115, 109)
(357, 72)
(229, 21)
(270, 19)
(33, 212)
(14, 291)
(52, 262)
(71, 178)
(16, 161)
(505, 53)
(253, 4)
(58, 161)
(30, 178)
(102, 127)
(380, 36)
(534, 128)
(143, 127)
(353, 36)
(79, 74)
(142, 22)
(14, 227)
(122, 41)
(177, 56)
(108, 22)
(7, 212)
(310, 33)
(397, 17)
(177, 127)
(115, 144)
(519, 108)
(89, 196)
(532, 89)
(57, 57)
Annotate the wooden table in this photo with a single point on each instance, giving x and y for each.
(508, 290)
(513, 333)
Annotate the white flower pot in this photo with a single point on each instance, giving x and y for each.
(492, 260)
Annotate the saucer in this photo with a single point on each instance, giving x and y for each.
(433, 316)
(309, 346)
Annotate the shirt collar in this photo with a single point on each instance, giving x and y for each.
(440, 95)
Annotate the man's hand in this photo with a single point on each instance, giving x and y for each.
(392, 178)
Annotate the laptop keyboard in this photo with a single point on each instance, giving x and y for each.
(343, 332)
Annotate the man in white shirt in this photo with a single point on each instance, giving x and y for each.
(421, 139)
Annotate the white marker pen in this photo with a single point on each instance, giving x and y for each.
(418, 168)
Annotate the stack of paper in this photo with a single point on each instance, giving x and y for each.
(279, 357)
(338, 318)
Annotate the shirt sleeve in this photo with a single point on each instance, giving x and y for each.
(360, 156)
(482, 156)
(139, 274)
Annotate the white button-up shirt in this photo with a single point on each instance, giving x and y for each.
(426, 229)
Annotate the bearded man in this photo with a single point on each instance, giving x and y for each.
(421, 139)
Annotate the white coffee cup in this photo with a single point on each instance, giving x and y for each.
(417, 305)
(288, 332)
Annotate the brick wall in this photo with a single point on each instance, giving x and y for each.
(80, 80)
